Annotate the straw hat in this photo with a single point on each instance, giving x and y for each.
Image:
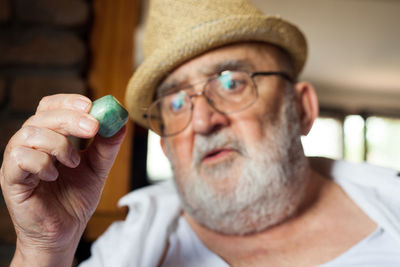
(179, 30)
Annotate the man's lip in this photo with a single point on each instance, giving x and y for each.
(217, 153)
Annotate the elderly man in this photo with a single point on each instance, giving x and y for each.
(220, 86)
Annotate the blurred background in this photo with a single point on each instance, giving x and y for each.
(91, 47)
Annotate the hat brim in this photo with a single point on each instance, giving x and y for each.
(205, 37)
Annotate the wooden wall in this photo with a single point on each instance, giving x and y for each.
(112, 46)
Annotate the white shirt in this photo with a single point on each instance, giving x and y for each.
(378, 249)
(154, 218)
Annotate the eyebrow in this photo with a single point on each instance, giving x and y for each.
(231, 64)
(164, 88)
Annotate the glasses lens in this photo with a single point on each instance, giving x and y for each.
(170, 114)
(231, 91)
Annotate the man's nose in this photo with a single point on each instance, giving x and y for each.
(205, 119)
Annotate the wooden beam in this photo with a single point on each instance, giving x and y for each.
(111, 67)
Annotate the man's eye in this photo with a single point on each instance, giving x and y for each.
(178, 101)
(228, 82)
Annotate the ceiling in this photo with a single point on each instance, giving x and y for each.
(354, 50)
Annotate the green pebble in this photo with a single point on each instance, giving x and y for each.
(110, 114)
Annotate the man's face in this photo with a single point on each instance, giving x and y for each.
(238, 167)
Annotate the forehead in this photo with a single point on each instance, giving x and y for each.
(244, 56)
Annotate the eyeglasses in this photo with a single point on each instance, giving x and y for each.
(227, 92)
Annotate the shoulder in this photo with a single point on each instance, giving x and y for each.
(159, 191)
(376, 190)
(363, 174)
(362, 180)
(153, 212)
(151, 205)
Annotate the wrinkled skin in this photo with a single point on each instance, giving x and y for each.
(50, 188)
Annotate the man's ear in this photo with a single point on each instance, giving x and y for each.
(307, 105)
(162, 143)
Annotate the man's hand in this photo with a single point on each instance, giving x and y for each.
(50, 189)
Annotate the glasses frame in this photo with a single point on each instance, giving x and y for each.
(148, 116)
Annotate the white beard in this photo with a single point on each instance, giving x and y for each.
(254, 189)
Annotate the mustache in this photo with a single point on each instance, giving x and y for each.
(204, 144)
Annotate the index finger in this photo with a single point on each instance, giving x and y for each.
(64, 101)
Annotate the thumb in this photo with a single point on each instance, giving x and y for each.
(103, 151)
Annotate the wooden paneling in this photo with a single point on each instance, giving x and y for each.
(110, 69)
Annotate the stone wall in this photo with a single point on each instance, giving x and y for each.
(43, 50)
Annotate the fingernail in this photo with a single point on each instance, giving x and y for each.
(50, 174)
(81, 104)
(75, 158)
(87, 124)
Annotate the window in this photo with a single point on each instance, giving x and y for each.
(324, 139)
(158, 167)
(354, 139)
(383, 144)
